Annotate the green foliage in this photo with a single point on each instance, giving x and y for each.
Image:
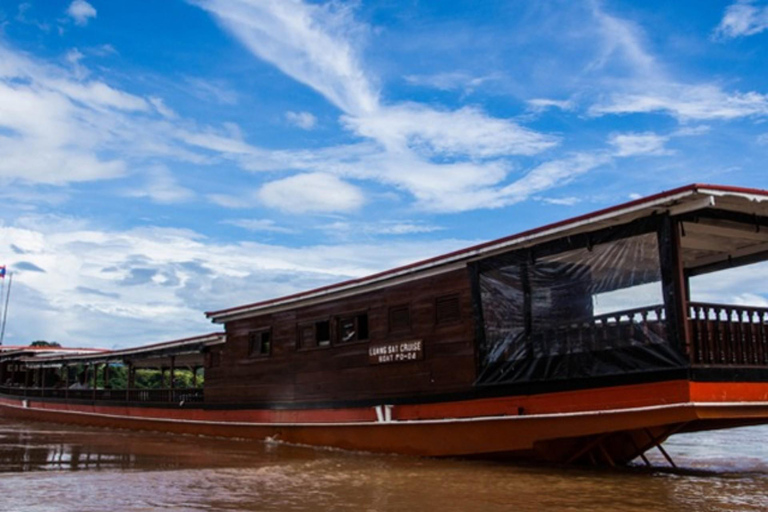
(145, 378)
(43, 343)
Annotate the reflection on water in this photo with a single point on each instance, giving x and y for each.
(50, 467)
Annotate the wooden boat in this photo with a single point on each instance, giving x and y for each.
(579, 341)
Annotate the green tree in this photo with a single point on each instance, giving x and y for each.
(43, 343)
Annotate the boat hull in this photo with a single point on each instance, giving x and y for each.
(501, 427)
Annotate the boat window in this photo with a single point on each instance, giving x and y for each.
(399, 318)
(323, 333)
(315, 334)
(353, 328)
(447, 309)
(260, 343)
(307, 336)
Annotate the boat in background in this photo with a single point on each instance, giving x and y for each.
(580, 342)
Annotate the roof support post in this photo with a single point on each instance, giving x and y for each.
(194, 376)
(673, 284)
(65, 369)
(173, 378)
(129, 381)
(95, 371)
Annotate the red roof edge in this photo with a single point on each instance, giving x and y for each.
(44, 349)
(163, 343)
(694, 187)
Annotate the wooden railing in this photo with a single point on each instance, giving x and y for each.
(728, 335)
(603, 332)
(176, 396)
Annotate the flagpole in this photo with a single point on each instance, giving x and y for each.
(5, 310)
(2, 294)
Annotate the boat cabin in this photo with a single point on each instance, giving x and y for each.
(603, 299)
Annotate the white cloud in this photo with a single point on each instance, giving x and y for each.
(230, 201)
(74, 56)
(81, 12)
(740, 285)
(153, 284)
(97, 95)
(540, 104)
(649, 88)
(464, 132)
(622, 45)
(314, 192)
(692, 131)
(742, 18)
(386, 228)
(161, 187)
(634, 144)
(162, 108)
(686, 102)
(401, 228)
(24, 7)
(267, 225)
(314, 44)
(56, 124)
(58, 127)
(446, 159)
(209, 90)
(452, 81)
(561, 201)
(467, 186)
(549, 174)
(303, 120)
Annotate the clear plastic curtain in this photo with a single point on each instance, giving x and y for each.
(591, 311)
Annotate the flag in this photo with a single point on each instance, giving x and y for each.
(2, 271)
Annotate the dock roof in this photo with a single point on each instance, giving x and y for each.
(186, 350)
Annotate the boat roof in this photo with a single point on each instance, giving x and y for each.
(155, 354)
(676, 201)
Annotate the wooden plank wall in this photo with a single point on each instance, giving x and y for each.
(342, 372)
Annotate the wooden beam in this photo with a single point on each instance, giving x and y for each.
(740, 232)
(587, 448)
(606, 455)
(639, 451)
(747, 256)
(732, 216)
(700, 242)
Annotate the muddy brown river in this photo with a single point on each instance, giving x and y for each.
(48, 467)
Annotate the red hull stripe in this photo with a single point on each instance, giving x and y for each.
(574, 403)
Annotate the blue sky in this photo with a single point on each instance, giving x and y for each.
(158, 159)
